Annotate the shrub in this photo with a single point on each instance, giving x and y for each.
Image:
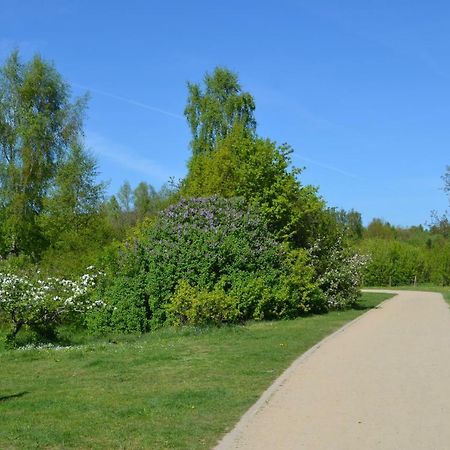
(438, 263)
(255, 293)
(209, 261)
(393, 263)
(339, 272)
(194, 306)
(42, 304)
(299, 288)
(279, 294)
(126, 311)
(201, 241)
(273, 294)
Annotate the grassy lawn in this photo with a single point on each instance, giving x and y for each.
(444, 290)
(168, 389)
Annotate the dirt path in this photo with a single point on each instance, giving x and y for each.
(383, 382)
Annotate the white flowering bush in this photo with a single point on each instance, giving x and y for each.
(41, 304)
(339, 272)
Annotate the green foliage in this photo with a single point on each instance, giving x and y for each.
(259, 171)
(75, 198)
(214, 111)
(131, 206)
(195, 306)
(77, 248)
(299, 286)
(72, 220)
(125, 197)
(199, 241)
(255, 294)
(114, 217)
(289, 292)
(378, 228)
(225, 255)
(407, 255)
(126, 311)
(51, 205)
(350, 222)
(438, 263)
(274, 294)
(393, 263)
(18, 265)
(39, 126)
(229, 160)
(207, 260)
(440, 225)
(145, 201)
(339, 270)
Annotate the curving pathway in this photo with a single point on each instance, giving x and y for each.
(381, 382)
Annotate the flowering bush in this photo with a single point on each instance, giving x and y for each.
(339, 272)
(41, 304)
(200, 241)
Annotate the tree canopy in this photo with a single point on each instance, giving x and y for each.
(214, 110)
(229, 159)
(47, 180)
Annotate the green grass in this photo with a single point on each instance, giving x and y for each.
(444, 290)
(172, 388)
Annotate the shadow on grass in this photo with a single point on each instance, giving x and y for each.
(28, 337)
(9, 397)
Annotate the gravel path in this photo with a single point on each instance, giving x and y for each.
(382, 382)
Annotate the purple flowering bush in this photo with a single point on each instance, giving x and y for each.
(197, 249)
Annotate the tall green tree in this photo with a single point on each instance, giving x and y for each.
(75, 200)
(125, 197)
(39, 127)
(214, 110)
(114, 217)
(229, 159)
(74, 219)
(145, 200)
(260, 171)
(378, 228)
(350, 221)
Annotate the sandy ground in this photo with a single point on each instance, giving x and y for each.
(382, 382)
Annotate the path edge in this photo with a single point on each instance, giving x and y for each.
(232, 437)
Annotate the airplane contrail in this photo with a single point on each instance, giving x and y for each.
(130, 101)
(179, 116)
(326, 166)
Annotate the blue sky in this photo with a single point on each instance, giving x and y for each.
(359, 89)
